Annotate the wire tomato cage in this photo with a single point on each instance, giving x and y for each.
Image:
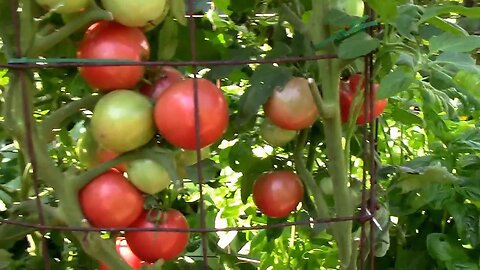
(368, 207)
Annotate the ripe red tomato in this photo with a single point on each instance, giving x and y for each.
(175, 118)
(122, 121)
(151, 246)
(164, 77)
(277, 193)
(104, 155)
(293, 106)
(110, 40)
(110, 200)
(347, 94)
(126, 253)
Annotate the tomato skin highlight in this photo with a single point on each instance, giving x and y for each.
(152, 246)
(122, 121)
(110, 40)
(347, 94)
(126, 254)
(277, 193)
(292, 107)
(110, 201)
(174, 113)
(166, 76)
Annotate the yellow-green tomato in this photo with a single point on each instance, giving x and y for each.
(123, 121)
(64, 6)
(189, 157)
(86, 149)
(275, 135)
(148, 176)
(137, 13)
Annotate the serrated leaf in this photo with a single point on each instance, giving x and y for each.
(357, 45)
(264, 80)
(397, 81)
(407, 20)
(430, 175)
(454, 43)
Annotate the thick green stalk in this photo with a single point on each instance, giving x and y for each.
(329, 76)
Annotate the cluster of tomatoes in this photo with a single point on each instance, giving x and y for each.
(187, 113)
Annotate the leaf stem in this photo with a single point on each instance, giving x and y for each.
(44, 43)
(55, 119)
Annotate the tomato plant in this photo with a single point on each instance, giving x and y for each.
(292, 107)
(64, 6)
(274, 135)
(177, 102)
(122, 121)
(145, 11)
(148, 176)
(347, 94)
(161, 78)
(152, 246)
(110, 201)
(110, 40)
(277, 193)
(126, 253)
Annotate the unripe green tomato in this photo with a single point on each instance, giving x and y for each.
(86, 149)
(275, 135)
(64, 6)
(123, 121)
(326, 186)
(148, 175)
(137, 13)
(189, 157)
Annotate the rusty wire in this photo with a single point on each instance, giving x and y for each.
(369, 143)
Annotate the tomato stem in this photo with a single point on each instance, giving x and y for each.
(44, 43)
(55, 119)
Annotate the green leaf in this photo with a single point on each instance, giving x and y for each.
(445, 249)
(436, 10)
(178, 10)
(454, 43)
(210, 170)
(395, 82)
(461, 61)
(357, 45)
(274, 233)
(386, 9)
(447, 26)
(407, 21)
(466, 218)
(5, 259)
(406, 117)
(409, 181)
(167, 39)
(264, 80)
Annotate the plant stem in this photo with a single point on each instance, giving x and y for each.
(329, 76)
(308, 180)
(55, 119)
(44, 43)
